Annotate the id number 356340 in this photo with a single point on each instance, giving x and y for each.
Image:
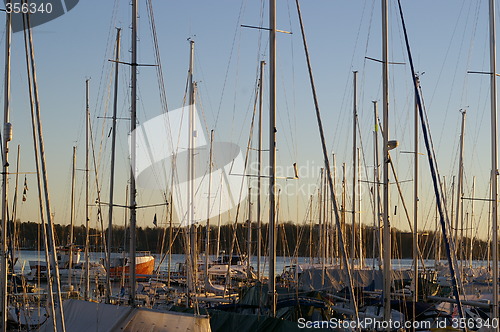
(28, 8)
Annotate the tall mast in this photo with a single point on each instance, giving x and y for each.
(272, 155)
(354, 170)
(360, 229)
(72, 217)
(191, 170)
(321, 214)
(335, 241)
(207, 238)
(415, 209)
(112, 176)
(343, 212)
(460, 191)
(14, 205)
(472, 219)
(375, 226)
(494, 156)
(325, 221)
(217, 251)
(452, 194)
(377, 186)
(387, 226)
(133, 124)
(170, 239)
(87, 224)
(5, 143)
(259, 161)
(311, 229)
(249, 233)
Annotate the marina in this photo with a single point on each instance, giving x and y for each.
(268, 192)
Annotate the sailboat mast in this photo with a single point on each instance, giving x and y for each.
(311, 229)
(112, 176)
(354, 170)
(460, 191)
(325, 221)
(217, 251)
(343, 212)
(387, 226)
(415, 209)
(321, 214)
(272, 156)
(87, 224)
(377, 187)
(133, 124)
(335, 241)
(6, 138)
(207, 238)
(72, 217)
(191, 170)
(259, 161)
(471, 241)
(360, 229)
(494, 156)
(15, 233)
(249, 233)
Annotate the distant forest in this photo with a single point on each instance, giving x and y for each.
(303, 240)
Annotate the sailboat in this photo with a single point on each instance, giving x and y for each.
(144, 266)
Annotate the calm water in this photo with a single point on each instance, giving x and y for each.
(28, 255)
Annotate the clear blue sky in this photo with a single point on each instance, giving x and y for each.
(447, 37)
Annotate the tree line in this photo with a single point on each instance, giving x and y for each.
(292, 239)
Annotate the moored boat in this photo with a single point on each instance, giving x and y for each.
(144, 266)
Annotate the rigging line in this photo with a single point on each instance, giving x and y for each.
(236, 82)
(327, 165)
(160, 78)
(259, 41)
(361, 89)
(98, 189)
(454, 73)
(434, 172)
(202, 110)
(103, 142)
(202, 96)
(432, 153)
(469, 53)
(247, 111)
(401, 197)
(154, 170)
(170, 248)
(479, 126)
(108, 50)
(159, 69)
(238, 22)
(280, 118)
(247, 152)
(365, 59)
(372, 203)
(301, 232)
(293, 128)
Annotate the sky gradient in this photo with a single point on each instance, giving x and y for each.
(447, 37)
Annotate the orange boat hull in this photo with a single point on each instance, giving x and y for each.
(144, 265)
